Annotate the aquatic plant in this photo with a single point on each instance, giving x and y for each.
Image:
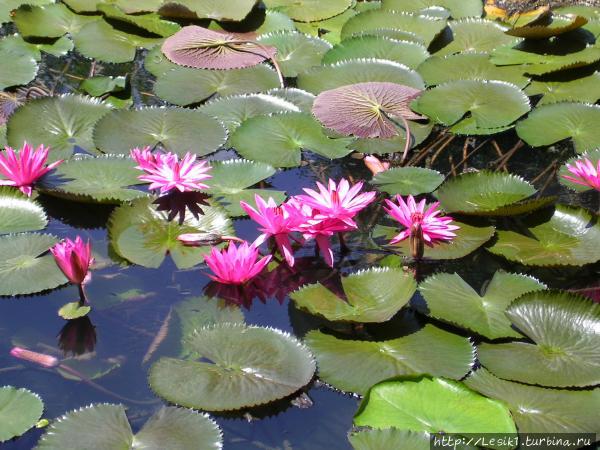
(235, 264)
(584, 173)
(74, 258)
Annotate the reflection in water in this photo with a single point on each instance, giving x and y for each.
(176, 203)
(77, 337)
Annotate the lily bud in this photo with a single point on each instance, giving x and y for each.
(34, 357)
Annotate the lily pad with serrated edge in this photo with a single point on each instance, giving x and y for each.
(492, 104)
(408, 180)
(593, 156)
(50, 21)
(411, 54)
(235, 10)
(566, 344)
(128, 6)
(372, 295)
(64, 123)
(585, 90)
(392, 33)
(557, 25)
(302, 99)
(177, 130)
(458, 8)
(418, 133)
(389, 439)
(541, 410)
(279, 139)
(476, 35)
(19, 213)
(26, 267)
(241, 366)
(150, 22)
(23, 65)
(328, 29)
(323, 78)
(309, 10)
(450, 299)
(427, 351)
(566, 239)
(20, 410)
(143, 236)
(552, 123)
(103, 425)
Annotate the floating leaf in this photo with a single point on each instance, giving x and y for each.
(309, 10)
(552, 123)
(567, 238)
(539, 410)
(20, 409)
(427, 351)
(328, 29)
(23, 66)
(593, 156)
(584, 89)
(476, 35)
(566, 343)
(302, 99)
(106, 426)
(433, 405)
(143, 235)
(556, 25)
(235, 10)
(279, 139)
(323, 78)
(373, 295)
(63, 123)
(491, 103)
(51, 21)
(241, 366)
(150, 22)
(177, 130)
(275, 21)
(22, 268)
(19, 213)
(389, 439)
(7, 6)
(457, 8)
(449, 298)
(408, 180)
(98, 86)
(73, 310)
(418, 133)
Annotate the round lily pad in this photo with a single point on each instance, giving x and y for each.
(388, 439)
(428, 351)
(150, 22)
(309, 10)
(73, 310)
(373, 295)
(177, 130)
(565, 349)
(476, 35)
(240, 366)
(302, 99)
(584, 89)
(408, 180)
(23, 66)
(593, 156)
(20, 410)
(328, 29)
(556, 25)
(50, 21)
(449, 298)
(458, 8)
(567, 238)
(7, 6)
(206, 9)
(19, 213)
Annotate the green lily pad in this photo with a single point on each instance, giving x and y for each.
(302, 99)
(19, 213)
(468, 66)
(585, 90)
(540, 410)
(241, 366)
(324, 78)
(408, 180)
(177, 130)
(566, 346)
(20, 410)
(432, 405)
(64, 123)
(491, 103)
(556, 25)
(449, 298)
(279, 139)
(98, 86)
(589, 12)
(23, 65)
(295, 51)
(418, 133)
(275, 21)
(309, 10)
(54, 20)
(23, 269)
(88, 367)
(427, 351)
(7, 6)
(106, 426)
(373, 295)
(73, 310)
(552, 123)
(57, 47)
(468, 239)
(567, 239)
(235, 10)
(476, 35)
(458, 8)
(411, 54)
(329, 29)
(103, 179)
(389, 439)
(142, 235)
(593, 156)
(425, 27)
(151, 22)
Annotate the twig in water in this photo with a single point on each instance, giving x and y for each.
(159, 338)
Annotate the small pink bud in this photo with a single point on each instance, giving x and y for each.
(34, 357)
(375, 165)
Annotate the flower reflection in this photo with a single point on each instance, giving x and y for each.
(77, 337)
(177, 203)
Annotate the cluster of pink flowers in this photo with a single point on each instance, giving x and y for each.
(584, 173)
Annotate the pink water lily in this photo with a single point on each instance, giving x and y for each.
(277, 222)
(165, 171)
(375, 165)
(235, 265)
(24, 168)
(74, 259)
(584, 173)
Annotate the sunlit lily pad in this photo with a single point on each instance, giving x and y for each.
(23, 66)
(411, 54)
(73, 310)
(457, 8)
(63, 123)
(541, 64)
(332, 76)
(302, 99)
(552, 123)
(569, 237)
(428, 351)
(593, 156)
(151, 22)
(372, 295)
(433, 405)
(328, 29)
(556, 25)
(241, 366)
(128, 6)
(51, 21)
(143, 235)
(206, 9)
(309, 10)
(584, 89)
(540, 410)
(275, 21)
(566, 343)
(25, 265)
(20, 409)
(106, 426)
(7, 6)
(99, 85)
(476, 35)
(19, 213)
(449, 298)
(408, 180)
(177, 130)
(280, 138)
(389, 439)
(491, 103)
